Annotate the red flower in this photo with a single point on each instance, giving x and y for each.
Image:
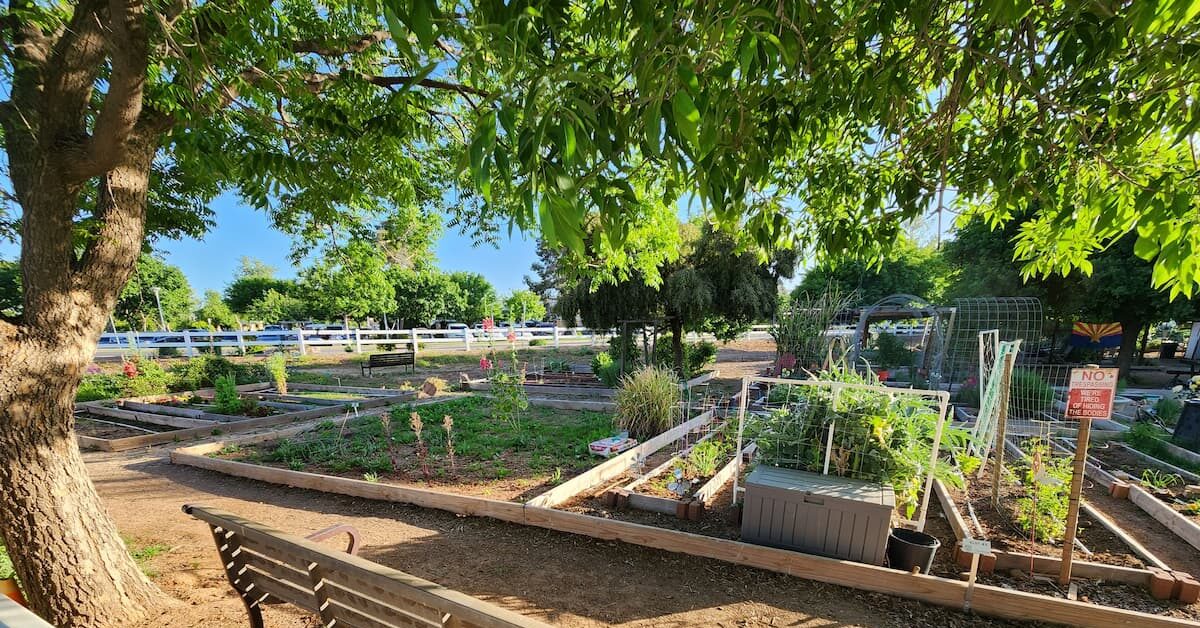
(488, 324)
(485, 363)
(130, 369)
(512, 336)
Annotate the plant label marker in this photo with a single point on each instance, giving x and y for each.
(974, 547)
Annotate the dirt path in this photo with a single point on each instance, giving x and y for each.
(561, 578)
(1154, 536)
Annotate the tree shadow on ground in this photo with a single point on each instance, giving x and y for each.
(558, 577)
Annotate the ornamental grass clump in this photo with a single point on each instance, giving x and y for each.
(647, 401)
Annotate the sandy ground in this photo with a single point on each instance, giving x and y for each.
(559, 578)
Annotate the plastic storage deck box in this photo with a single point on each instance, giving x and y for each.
(818, 514)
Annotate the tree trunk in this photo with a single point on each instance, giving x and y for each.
(74, 567)
(677, 345)
(1129, 338)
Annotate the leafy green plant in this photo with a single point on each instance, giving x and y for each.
(557, 365)
(371, 477)
(1149, 439)
(1042, 510)
(97, 387)
(878, 436)
(203, 371)
(225, 397)
(276, 366)
(1159, 480)
(1168, 410)
(702, 460)
(647, 401)
(893, 351)
(606, 369)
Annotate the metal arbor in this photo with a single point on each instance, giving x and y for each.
(938, 321)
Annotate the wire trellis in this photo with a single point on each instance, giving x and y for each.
(855, 430)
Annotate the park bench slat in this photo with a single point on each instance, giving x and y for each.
(267, 566)
(384, 360)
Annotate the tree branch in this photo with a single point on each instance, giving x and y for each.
(128, 48)
(358, 44)
(318, 81)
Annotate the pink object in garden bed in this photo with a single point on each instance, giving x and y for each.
(611, 446)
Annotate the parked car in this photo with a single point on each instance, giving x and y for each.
(120, 340)
(275, 333)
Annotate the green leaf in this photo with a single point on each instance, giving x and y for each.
(652, 125)
(687, 118)
(421, 21)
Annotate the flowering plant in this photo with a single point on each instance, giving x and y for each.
(130, 370)
(485, 363)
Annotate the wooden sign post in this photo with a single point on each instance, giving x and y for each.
(1089, 396)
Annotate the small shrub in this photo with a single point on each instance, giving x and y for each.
(149, 379)
(1159, 480)
(448, 427)
(537, 342)
(606, 370)
(647, 401)
(203, 371)
(276, 366)
(893, 351)
(97, 387)
(226, 399)
(414, 421)
(696, 355)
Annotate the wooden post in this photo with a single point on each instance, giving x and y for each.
(357, 340)
(299, 339)
(187, 340)
(241, 336)
(1001, 425)
(1081, 447)
(467, 337)
(556, 335)
(413, 333)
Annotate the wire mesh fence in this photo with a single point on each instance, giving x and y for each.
(853, 429)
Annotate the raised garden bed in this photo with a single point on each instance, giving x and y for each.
(488, 457)
(984, 598)
(144, 421)
(686, 483)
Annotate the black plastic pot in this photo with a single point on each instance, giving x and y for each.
(907, 549)
(1168, 350)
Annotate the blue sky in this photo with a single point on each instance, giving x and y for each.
(209, 264)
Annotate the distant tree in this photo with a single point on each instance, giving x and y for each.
(10, 289)
(214, 311)
(406, 238)
(547, 280)
(425, 295)
(907, 269)
(523, 305)
(710, 287)
(478, 298)
(274, 307)
(350, 282)
(251, 267)
(243, 291)
(136, 305)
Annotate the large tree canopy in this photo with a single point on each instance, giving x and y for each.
(827, 125)
(906, 269)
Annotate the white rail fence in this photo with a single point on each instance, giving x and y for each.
(362, 340)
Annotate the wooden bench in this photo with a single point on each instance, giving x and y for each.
(381, 360)
(266, 566)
